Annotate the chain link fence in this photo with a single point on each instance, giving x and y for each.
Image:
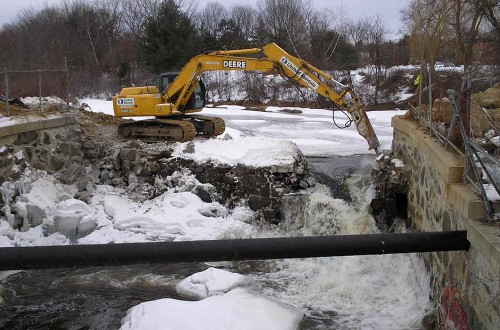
(20, 83)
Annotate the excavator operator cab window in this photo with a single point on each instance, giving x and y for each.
(197, 99)
(165, 79)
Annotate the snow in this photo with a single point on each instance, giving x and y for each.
(312, 131)
(238, 309)
(496, 140)
(491, 192)
(254, 139)
(250, 151)
(6, 121)
(106, 107)
(176, 215)
(210, 282)
(34, 101)
(397, 162)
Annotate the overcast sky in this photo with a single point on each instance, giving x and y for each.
(387, 9)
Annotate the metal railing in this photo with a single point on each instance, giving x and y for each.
(477, 161)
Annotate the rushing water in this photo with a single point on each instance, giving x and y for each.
(368, 292)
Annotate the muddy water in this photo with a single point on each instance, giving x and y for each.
(334, 293)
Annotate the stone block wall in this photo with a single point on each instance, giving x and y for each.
(465, 285)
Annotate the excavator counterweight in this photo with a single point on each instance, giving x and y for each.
(182, 93)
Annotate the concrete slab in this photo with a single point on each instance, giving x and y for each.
(485, 238)
(35, 125)
(465, 201)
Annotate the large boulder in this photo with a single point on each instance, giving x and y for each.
(73, 218)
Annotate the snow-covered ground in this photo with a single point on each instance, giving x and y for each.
(381, 292)
(312, 131)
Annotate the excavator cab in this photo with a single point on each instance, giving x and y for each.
(198, 98)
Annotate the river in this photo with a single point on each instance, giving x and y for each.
(363, 292)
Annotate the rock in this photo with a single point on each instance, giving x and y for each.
(126, 165)
(75, 132)
(91, 150)
(73, 172)
(303, 184)
(104, 175)
(133, 182)
(90, 187)
(311, 181)
(26, 137)
(203, 192)
(256, 202)
(35, 214)
(429, 321)
(107, 167)
(299, 169)
(271, 215)
(69, 214)
(117, 164)
(29, 152)
(230, 178)
(129, 154)
(81, 183)
(118, 181)
(6, 162)
(288, 168)
(94, 175)
(86, 226)
(56, 163)
(84, 196)
(214, 210)
(46, 138)
(189, 149)
(293, 111)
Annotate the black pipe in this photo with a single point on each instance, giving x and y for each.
(225, 250)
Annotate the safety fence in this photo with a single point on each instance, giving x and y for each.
(32, 82)
(481, 169)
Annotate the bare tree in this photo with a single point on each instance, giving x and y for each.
(137, 12)
(428, 20)
(357, 31)
(491, 11)
(210, 17)
(285, 22)
(377, 33)
(245, 19)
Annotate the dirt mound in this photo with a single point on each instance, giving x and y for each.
(17, 111)
(89, 118)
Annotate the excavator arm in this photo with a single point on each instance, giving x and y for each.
(276, 61)
(174, 102)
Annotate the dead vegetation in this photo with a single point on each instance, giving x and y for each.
(17, 111)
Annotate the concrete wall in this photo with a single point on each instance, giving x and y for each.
(48, 144)
(465, 285)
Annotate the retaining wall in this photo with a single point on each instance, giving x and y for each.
(465, 285)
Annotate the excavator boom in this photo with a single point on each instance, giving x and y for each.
(176, 99)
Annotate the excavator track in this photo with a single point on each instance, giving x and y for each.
(207, 126)
(156, 130)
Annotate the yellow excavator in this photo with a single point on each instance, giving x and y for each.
(183, 93)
